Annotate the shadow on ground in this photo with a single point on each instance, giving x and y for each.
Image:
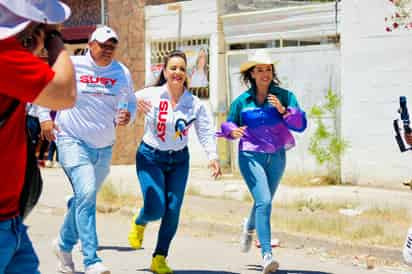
(258, 268)
(116, 248)
(195, 271)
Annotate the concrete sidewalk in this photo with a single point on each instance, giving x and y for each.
(234, 188)
(125, 179)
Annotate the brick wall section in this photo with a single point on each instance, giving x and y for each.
(126, 17)
(84, 12)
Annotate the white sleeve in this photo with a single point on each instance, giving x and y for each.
(43, 114)
(206, 132)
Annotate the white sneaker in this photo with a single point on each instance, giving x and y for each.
(246, 237)
(48, 163)
(65, 260)
(407, 248)
(97, 268)
(269, 264)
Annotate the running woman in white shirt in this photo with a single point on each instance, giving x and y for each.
(84, 141)
(162, 160)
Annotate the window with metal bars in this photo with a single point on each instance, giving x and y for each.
(197, 52)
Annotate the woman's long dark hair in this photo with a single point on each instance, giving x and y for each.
(248, 80)
(162, 80)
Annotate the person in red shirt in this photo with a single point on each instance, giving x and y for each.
(24, 77)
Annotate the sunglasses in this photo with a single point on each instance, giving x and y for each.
(110, 47)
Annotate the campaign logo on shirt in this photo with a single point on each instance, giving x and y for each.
(94, 81)
(182, 127)
(161, 119)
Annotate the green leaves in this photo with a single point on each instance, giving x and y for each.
(325, 144)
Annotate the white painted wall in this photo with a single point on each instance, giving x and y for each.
(199, 20)
(376, 70)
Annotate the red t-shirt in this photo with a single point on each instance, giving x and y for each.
(22, 76)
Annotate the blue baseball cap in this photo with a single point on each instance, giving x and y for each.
(16, 15)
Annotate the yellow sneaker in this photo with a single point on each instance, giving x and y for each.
(160, 266)
(136, 234)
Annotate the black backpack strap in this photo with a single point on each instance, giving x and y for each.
(5, 115)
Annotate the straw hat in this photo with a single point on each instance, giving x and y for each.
(260, 57)
(16, 15)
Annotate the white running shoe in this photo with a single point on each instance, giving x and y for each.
(269, 264)
(407, 248)
(97, 268)
(65, 261)
(246, 237)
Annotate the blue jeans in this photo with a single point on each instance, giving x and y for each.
(16, 251)
(262, 173)
(163, 177)
(33, 127)
(52, 150)
(86, 169)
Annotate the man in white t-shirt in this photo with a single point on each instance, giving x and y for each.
(85, 137)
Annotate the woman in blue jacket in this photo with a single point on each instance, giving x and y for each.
(262, 117)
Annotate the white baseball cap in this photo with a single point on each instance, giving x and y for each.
(102, 34)
(16, 15)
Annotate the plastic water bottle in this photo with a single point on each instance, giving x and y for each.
(123, 102)
(407, 248)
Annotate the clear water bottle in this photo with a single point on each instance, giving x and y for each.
(123, 102)
(407, 248)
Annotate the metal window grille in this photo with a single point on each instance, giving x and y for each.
(160, 49)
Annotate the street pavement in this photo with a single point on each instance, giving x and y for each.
(192, 252)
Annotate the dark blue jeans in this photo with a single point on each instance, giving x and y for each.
(33, 126)
(163, 177)
(52, 150)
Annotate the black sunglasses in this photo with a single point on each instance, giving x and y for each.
(107, 46)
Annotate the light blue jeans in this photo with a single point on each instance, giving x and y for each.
(16, 251)
(86, 169)
(262, 173)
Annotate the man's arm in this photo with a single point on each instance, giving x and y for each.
(47, 125)
(60, 92)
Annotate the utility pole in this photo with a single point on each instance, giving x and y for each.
(178, 9)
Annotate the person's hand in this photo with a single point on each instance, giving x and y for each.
(238, 132)
(123, 117)
(274, 101)
(47, 129)
(215, 168)
(408, 138)
(144, 106)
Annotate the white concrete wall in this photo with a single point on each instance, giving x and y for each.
(376, 70)
(199, 20)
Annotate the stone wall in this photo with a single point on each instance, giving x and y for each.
(84, 12)
(126, 17)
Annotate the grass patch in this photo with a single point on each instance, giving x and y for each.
(193, 190)
(307, 180)
(316, 205)
(109, 196)
(375, 226)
